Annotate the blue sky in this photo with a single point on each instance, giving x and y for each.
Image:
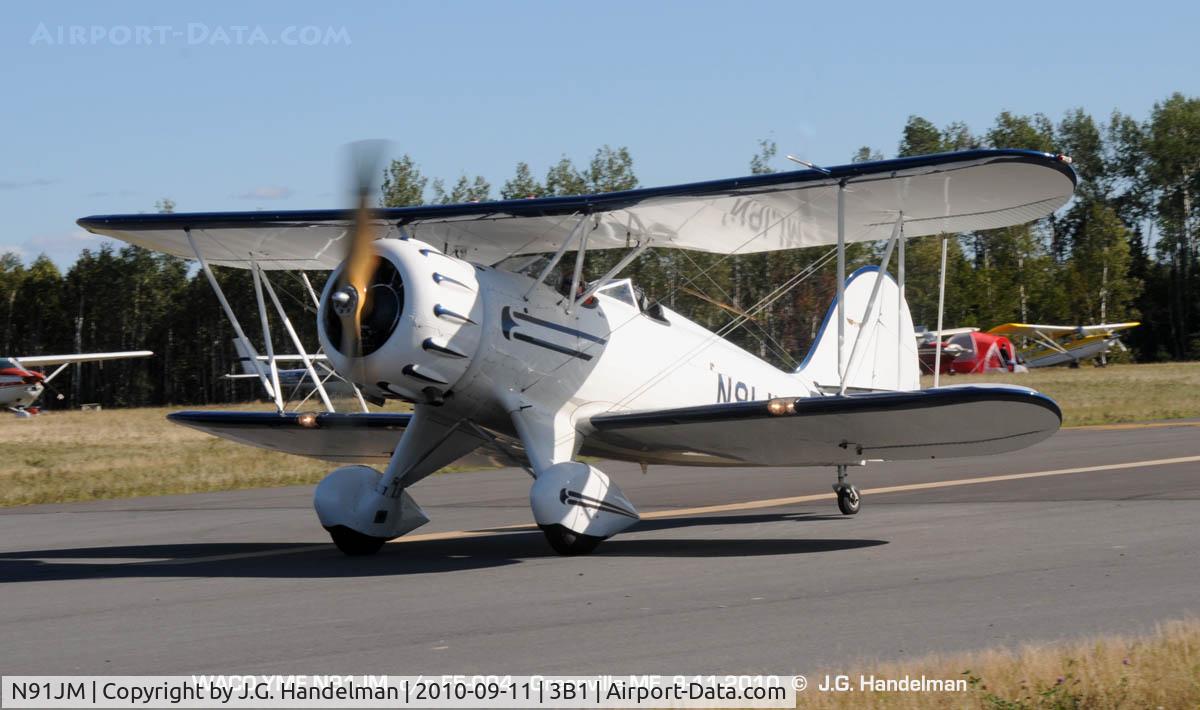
(246, 105)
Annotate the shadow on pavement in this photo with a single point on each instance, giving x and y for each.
(311, 560)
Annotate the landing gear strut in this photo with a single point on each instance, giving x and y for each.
(848, 498)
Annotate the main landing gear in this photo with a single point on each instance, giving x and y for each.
(848, 498)
(568, 542)
(354, 543)
(578, 507)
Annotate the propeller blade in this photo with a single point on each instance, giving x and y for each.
(361, 261)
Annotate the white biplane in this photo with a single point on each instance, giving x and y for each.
(464, 311)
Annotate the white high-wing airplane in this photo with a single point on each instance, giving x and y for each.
(20, 387)
(461, 310)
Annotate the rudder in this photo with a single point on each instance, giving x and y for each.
(887, 357)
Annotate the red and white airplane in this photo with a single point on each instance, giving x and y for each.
(20, 386)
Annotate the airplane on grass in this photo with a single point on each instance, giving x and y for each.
(969, 351)
(981, 352)
(1064, 344)
(20, 386)
(475, 315)
(933, 351)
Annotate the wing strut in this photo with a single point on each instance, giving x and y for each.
(362, 403)
(287, 325)
(56, 372)
(841, 279)
(266, 328)
(1049, 342)
(900, 306)
(558, 255)
(616, 269)
(937, 350)
(579, 256)
(869, 313)
(233, 320)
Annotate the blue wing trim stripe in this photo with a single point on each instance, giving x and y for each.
(551, 206)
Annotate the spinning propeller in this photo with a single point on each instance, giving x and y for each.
(352, 300)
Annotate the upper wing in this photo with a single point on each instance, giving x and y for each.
(1108, 327)
(944, 193)
(1059, 330)
(43, 360)
(1029, 329)
(966, 420)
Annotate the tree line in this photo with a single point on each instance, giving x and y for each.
(1124, 249)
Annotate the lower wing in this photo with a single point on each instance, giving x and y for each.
(333, 436)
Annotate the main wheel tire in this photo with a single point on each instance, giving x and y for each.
(354, 543)
(848, 500)
(567, 542)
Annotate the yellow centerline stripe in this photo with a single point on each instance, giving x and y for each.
(705, 509)
(1132, 425)
(792, 500)
(778, 502)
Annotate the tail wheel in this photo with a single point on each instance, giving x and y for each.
(565, 542)
(848, 500)
(354, 543)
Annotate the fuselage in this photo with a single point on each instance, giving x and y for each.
(19, 387)
(1079, 349)
(479, 341)
(624, 358)
(610, 354)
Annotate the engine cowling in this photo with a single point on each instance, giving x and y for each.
(421, 326)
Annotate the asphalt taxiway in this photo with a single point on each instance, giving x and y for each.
(735, 570)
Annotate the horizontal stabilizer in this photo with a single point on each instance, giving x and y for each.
(964, 420)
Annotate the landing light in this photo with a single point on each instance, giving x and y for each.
(781, 407)
(308, 420)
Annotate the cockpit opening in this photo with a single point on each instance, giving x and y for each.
(559, 279)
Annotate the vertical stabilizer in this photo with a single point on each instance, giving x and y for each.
(245, 359)
(887, 353)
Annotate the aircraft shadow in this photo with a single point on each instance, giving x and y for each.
(315, 561)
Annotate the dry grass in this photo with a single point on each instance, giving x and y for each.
(1161, 670)
(66, 456)
(1110, 395)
